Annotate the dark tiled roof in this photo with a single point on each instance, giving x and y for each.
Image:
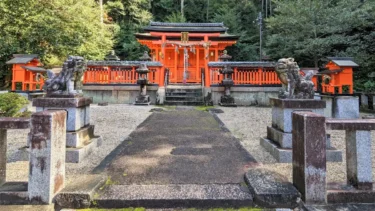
(22, 58)
(122, 63)
(343, 61)
(34, 69)
(242, 64)
(185, 27)
(222, 37)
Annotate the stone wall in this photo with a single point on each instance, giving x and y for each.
(117, 94)
(246, 96)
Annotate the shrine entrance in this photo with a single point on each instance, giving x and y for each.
(185, 49)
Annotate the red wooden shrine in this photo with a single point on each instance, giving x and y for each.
(337, 78)
(26, 72)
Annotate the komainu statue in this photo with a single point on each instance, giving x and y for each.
(295, 86)
(69, 80)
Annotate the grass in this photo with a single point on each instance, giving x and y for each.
(203, 108)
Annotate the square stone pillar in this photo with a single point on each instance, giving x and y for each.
(47, 155)
(345, 107)
(3, 155)
(309, 157)
(358, 159)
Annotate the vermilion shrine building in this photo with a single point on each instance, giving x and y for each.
(184, 56)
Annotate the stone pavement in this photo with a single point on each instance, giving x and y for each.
(178, 147)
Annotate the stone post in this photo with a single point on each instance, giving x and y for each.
(309, 156)
(47, 155)
(3, 155)
(358, 159)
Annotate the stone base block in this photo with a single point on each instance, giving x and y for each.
(343, 193)
(227, 101)
(283, 139)
(142, 100)
(345, 107)
(76, 155)
(283, 155)
(79, 193)
(271, 190)
(78, 138)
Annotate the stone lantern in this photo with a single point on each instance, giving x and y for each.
(227, 82)
(142, 70)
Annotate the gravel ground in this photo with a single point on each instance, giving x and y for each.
(114, 123)
(250, 123)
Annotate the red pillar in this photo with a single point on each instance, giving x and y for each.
(161, 73)
(207, 81)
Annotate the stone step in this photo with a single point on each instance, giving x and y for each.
(184, 98)
(183, 91)
(174, 195)
(187, 86)
(190, 103)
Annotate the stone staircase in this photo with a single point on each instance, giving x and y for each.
(184, 95)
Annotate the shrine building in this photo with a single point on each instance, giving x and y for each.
(187, 58)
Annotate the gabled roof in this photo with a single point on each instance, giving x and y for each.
(34, 69)
(186, 27)
(343, 61)
(22, 58)
(123, 63)
(242, 64)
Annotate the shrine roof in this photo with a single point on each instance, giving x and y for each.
(221, 37)
(123, 63)
(343, 61)
(22, 58)
(185, 27)
(242, 64)
(34, 69)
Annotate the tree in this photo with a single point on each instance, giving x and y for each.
(53, 29)
(310, 30)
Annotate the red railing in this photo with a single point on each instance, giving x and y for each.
(117, 75)
(247, 76)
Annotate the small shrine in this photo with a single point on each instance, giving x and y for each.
(337, 76)
(27, 74)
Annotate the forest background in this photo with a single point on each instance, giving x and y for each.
(308, 30)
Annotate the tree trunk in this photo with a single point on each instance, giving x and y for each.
(182, 8)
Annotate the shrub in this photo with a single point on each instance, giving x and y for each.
(11, 104)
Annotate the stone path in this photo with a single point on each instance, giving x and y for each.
(178, 147)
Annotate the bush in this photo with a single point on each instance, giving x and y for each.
(11, 104)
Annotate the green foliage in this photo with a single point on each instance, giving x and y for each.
(11, 104)
(175, 17)
(53, 29)
(310, 30)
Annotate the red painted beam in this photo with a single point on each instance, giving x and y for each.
(159, 34)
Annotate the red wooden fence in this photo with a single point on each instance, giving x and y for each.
(247, 76)
(117, 75)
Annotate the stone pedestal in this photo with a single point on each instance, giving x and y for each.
(279, 136)
(47, 155)
(345, 107)
(80, 138)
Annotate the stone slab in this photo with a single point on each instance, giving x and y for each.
(345, 107)
(176, 195)
(343, 193)
(285, 155)
(350, 124)
(271, 190)
(3, 155)
(14, 123)
(358, 162)
(14, 193)
(298, 103)
(47, 155)
(329, 102)
(309, 157)
(77, 155)
(62, 102)
(28, 208)
(78, 138)
(79, 193)
(283, 139)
